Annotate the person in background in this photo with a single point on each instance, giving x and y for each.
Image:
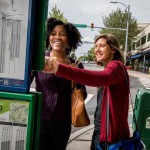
(113, 79)
(55, 128)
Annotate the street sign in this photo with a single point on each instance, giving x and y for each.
(80, 25)
(87, 42)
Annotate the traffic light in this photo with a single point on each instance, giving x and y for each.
(92, 26)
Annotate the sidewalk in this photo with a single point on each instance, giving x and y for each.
(81, 139)
(138, 74)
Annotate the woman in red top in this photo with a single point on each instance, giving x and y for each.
(115, 82)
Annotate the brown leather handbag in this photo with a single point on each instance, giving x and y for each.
(78, 111)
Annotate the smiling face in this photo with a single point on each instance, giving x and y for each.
(103, 52)
(58, 38)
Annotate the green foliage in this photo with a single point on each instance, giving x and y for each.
(89, 57)
(56, 13)
(83, 58)
(118, 19)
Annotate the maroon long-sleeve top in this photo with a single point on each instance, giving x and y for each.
(115, 80)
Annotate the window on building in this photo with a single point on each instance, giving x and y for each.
(143, 40)
(133, 46)
(148, 37)
(138, 43)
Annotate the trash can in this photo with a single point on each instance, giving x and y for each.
(142, 114)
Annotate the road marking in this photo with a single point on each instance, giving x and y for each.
(130, 113)
(88, 98)
(32, 90)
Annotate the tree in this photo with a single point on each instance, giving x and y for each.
(82, 58)
(89, 56)
(118, 19)
(56, 13)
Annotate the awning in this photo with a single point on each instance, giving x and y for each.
(145, 52)
(136, 56)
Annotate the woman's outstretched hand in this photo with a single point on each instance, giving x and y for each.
(50, 65)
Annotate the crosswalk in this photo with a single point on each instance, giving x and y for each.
(32, 89)
(143, 78)
(89, 97)
(145, 82)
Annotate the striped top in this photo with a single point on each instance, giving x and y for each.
(56, 96)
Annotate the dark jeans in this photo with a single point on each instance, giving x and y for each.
(95, 139)
(54, 135)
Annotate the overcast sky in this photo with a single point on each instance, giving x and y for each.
(91, 11)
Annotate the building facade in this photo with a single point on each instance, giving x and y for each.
(139, 57)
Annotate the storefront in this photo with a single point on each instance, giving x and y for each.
(140, 62)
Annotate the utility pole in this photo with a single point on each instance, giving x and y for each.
(127, 29)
